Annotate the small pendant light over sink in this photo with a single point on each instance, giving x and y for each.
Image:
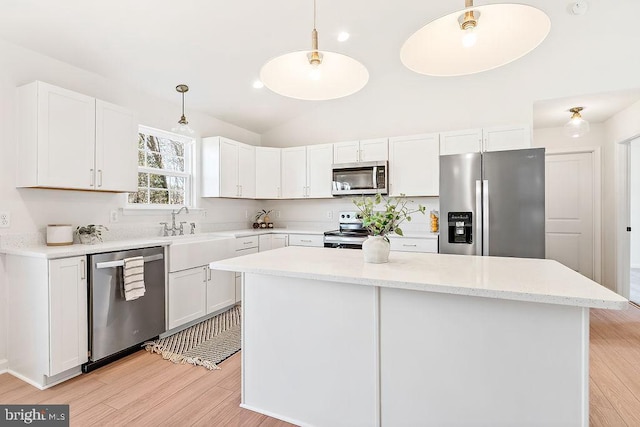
(576, 126)
(475, 39)
(183, 125)
(314, 75)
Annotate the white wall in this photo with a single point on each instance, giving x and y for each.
(32, 209)
(634, 195)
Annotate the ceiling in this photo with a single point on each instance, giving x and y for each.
(218, 47)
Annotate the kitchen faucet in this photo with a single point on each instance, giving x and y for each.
(173, 228)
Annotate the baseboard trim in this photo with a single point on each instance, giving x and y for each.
(4, 366)
(272, 415)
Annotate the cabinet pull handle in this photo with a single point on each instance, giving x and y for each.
(205, 274)
(246, 243)
(305, 240)
(209, 272)
(240, 190)
(278, 193)
(361, 155)
(99, 177)
(91, 177)
(409, 246)
(83, 269)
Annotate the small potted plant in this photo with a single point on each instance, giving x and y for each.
(263, 216)
(90, 234)
(382, 216)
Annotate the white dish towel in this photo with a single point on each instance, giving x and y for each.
(133, 275)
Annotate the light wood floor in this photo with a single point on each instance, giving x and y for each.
(143, 389)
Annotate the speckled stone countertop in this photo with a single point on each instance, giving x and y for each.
(533, 280)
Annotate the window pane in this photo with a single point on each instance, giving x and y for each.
(160, 197)
(152, 143)
(171, 148)
(139, 197)
(141, 158)
(157, 181)
(154, 160)
(176, 197)
(143, 179)
(176, 183)
(141, 138)
(174, 164)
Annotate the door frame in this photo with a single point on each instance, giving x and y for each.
(597, 201)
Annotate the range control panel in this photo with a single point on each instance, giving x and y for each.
(459, 227)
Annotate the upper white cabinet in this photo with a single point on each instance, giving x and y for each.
(368, 150)
(306, 171)
(461, 141)
(414, 165)
(73, 141)
(506, 138)
(228, 168)
(268, 167)
(487, 139)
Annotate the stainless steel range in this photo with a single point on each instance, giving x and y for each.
(350, 235)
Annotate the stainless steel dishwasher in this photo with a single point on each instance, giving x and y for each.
(116, 326)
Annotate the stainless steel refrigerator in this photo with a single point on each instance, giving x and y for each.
(493, 203)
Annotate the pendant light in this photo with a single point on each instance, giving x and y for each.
(576, 126)
(475, 39)
(183, 125)
(314, 75)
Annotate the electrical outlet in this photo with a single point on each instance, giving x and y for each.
(5, 220)
(330, 214)
(113, 216)
(246, 214)
(277, 214)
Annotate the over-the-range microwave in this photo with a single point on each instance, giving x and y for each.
(360, 178)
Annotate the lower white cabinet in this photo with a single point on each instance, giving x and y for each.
(244, 246)
(221, 290)
(273, 241)
(48, 333)
(187, 295)
(411, 244)
(306, 240)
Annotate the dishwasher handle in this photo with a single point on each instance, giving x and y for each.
(120, 263)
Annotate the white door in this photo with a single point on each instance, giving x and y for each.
(414, 163)
(570, 210)
(247, 170)
(229, 186)
(66, 138)
(294, 172)
(267, 173)
(319, 160)
(374, 150)
(116, 148)
(460, 142)
(345, 152)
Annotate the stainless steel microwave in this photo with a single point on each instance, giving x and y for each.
(360, 178)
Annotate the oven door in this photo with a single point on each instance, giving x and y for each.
(343, 242)
(359, 178)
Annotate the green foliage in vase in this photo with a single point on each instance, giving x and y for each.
(383, 215)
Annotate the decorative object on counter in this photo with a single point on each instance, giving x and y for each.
(434, 216)
(382, 216)
(263, 215)
(475, 39)
(256, 225)
(183, 125)
(206, 343)
(59, 234)
(313, 74)
(90, 234)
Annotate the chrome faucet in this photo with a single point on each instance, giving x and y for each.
(174, 228)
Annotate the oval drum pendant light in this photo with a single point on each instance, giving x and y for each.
(475, 39)
(314, 75)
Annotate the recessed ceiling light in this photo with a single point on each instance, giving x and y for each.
(258, 84)
(343, 36)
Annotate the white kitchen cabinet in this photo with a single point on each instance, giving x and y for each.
(306, 171)
(506, 138)
(244, 246)
(228, 168)
(73, 141)
(48, 338)
(279, 241)
(461, 141)
(414, 165)
(414, 244)
(316, 240)
(268, 170)
(221, 290)
(265, 242)
(367, 150)
(187, 295)
(68, 336)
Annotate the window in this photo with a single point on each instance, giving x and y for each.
(164, 169)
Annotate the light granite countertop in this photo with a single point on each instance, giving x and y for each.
(53, 252)
(521, 279)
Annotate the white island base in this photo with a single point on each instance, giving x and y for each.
(337, 353)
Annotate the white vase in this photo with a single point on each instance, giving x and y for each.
(376, 250)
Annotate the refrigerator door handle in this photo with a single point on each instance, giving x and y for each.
(485, 217)
(478, 220)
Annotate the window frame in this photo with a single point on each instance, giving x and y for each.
(188, 174)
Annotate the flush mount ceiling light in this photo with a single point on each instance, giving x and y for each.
(183, 124)
(314, 75)
(475, 39)
(576, 126)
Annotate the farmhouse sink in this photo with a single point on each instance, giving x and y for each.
(196, 250)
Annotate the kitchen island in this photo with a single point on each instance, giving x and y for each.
(426, 339)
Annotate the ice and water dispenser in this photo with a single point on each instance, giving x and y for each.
(459, 226)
